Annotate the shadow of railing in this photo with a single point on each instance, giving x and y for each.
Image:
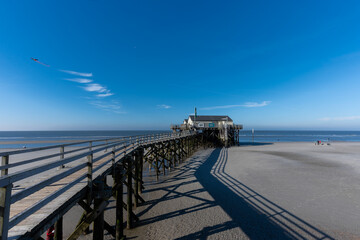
(254, 214)
(184, 176)
(257, 216)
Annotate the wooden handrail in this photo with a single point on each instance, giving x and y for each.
(120, 147)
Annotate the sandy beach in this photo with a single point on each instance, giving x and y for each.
(266, 191)
(34, 142)
(263, 191)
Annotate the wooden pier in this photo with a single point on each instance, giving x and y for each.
(37, 191)
(220, 130)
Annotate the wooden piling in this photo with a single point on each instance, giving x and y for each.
(113, 161)
(137, 169)
(157, 167)
(129, 193)
(90, 183)
(62, 156)
(141, 163)
(163, 158)
(4, 162)
(5, 198)
(98, 233)
(59, 229)
(119, 202)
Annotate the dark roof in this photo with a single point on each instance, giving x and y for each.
(210, 118)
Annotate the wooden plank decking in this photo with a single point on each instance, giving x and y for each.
(33, 220)
(33, 202)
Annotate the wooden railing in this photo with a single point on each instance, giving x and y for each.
(71, 155)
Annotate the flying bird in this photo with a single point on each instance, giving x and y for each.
(37, 60)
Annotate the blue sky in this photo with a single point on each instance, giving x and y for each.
(147, 64)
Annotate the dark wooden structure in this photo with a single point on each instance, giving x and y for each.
(35, 198)
(220, 130)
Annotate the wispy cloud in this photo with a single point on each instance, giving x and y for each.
(112, 106)
(107, 94)
(247, 105)
(79, 80)
(163, 106)
(95, 87)
(350, 118)
(220, 107)
(101, 91)
(77, 73)
(255, 104)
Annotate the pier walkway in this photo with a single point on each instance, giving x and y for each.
(39, 185)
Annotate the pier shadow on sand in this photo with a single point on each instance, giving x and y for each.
(257, 216)
(254, 214)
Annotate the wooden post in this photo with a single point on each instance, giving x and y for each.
(89, 180)
(136, 179)
(129, 193)
(89, 175)
(181, 147)
(191, 145)
(98, 233)
(62, 156)
(5, 198)
(169, 154)
(124, 143)
(59, 229)
(113, 160)
(191, 141)
(188, 146)
(157, 167)
(163, 157)
(4, 162)
(119, 202)
(141, 163)
(185, 147)
(175, 152)
(150, 163)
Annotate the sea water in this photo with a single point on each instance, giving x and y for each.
(299, 136)
(12, 137)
